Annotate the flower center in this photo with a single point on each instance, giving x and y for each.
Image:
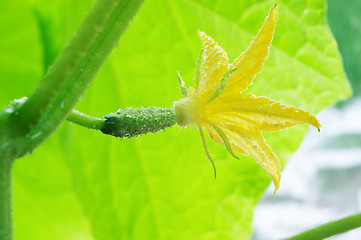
(189, 110)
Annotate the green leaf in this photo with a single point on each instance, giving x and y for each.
(81, 184)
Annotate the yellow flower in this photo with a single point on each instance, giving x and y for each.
(232, 118)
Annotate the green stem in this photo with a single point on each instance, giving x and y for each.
(6, 228)
(86, 120)
(330, 229)
(69, 76)
(128, 122)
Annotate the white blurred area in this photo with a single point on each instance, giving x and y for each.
(320, 183)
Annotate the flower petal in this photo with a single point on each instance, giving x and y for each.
(257, 113)
(215, 64)
(256, 146)
(253, 143)
(251, 62)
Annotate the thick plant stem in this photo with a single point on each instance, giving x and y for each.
(6, 227)
(330, 229)
(72, 72)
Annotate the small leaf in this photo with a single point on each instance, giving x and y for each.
(222, 85)
(207, 151)
(225, 139)
(182, 86)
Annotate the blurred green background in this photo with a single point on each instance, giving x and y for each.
(81, 184)
(345, 22)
